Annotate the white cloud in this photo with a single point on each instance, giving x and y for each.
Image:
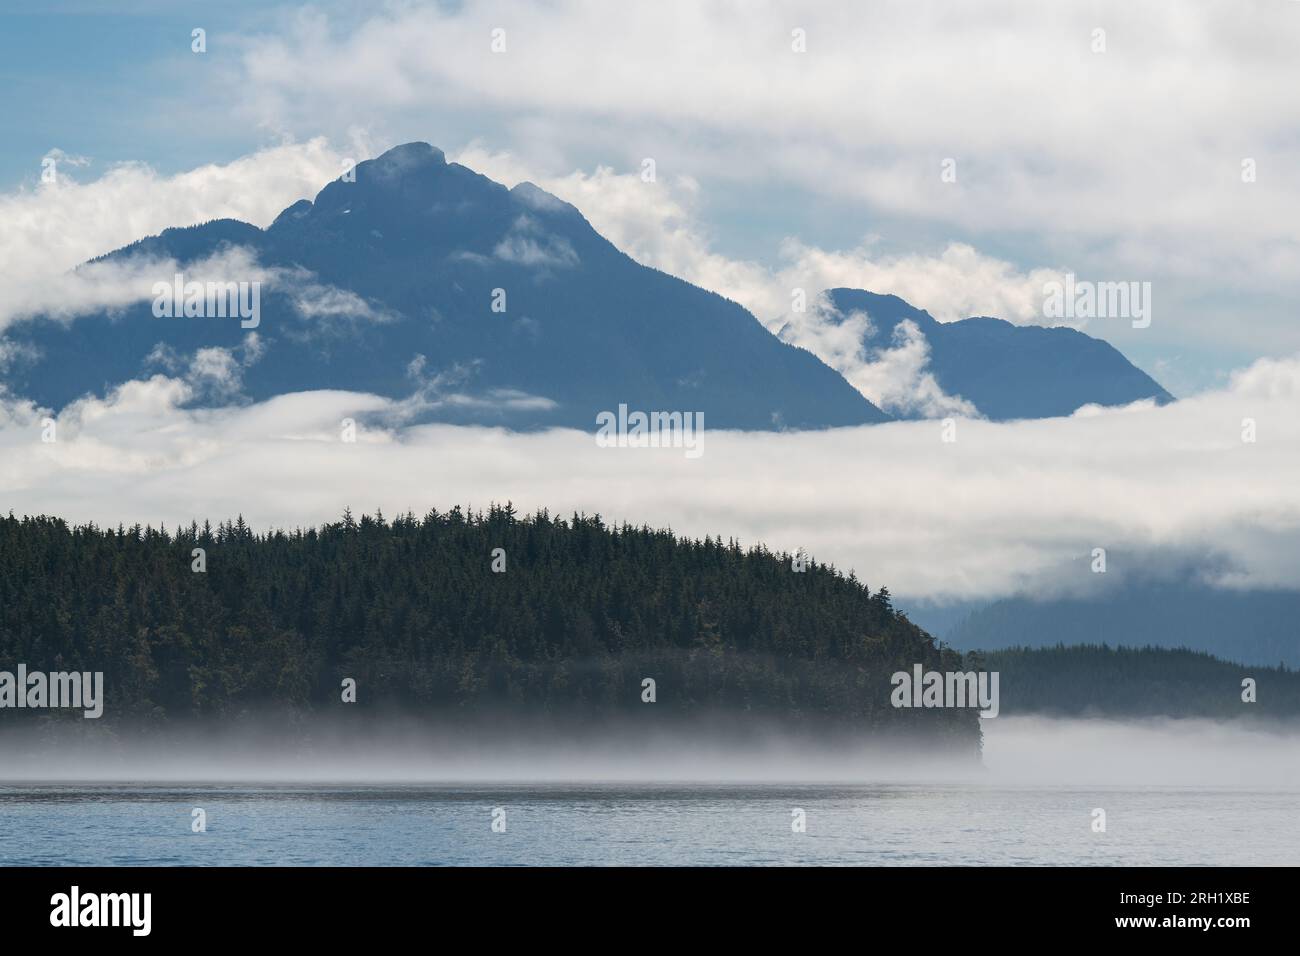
(46, 232)
(527, 244)
(1139, 147)
(445, 389)
(97, 285)
(213, 374)
(897, 379)
(955, 283)
(1008, 506)
(659, 224)
(119, 282)
(316, 300)
(218, 371)
(56, 157)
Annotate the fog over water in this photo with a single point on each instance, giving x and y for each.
(1018, 751)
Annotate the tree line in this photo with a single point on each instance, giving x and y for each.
(578, 616)
(1099, 680)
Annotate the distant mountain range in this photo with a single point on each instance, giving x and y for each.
(1006, 371)
(1245, 627)
(424, 281)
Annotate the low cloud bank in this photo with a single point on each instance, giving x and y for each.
(1005, 508)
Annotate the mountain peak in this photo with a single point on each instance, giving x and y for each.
(886, 311)
(423, 281)
(410, 156)
(1006, 371)
(537, 198)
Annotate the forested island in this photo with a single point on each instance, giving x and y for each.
(1098, 680)
(459, 613)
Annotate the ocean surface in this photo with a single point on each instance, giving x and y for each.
(651, 824)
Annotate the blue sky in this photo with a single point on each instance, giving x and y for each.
(108, 81)
(1118, 165)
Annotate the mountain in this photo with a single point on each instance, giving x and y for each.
(1007, 371)
(1249, 627)
(387, 285)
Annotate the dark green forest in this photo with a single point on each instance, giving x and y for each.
(412, 610)
(1094, 679)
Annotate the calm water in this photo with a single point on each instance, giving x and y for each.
(622, 824)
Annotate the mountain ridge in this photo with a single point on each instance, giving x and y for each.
(1006, 371)
(390, 284)
(433, 247)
